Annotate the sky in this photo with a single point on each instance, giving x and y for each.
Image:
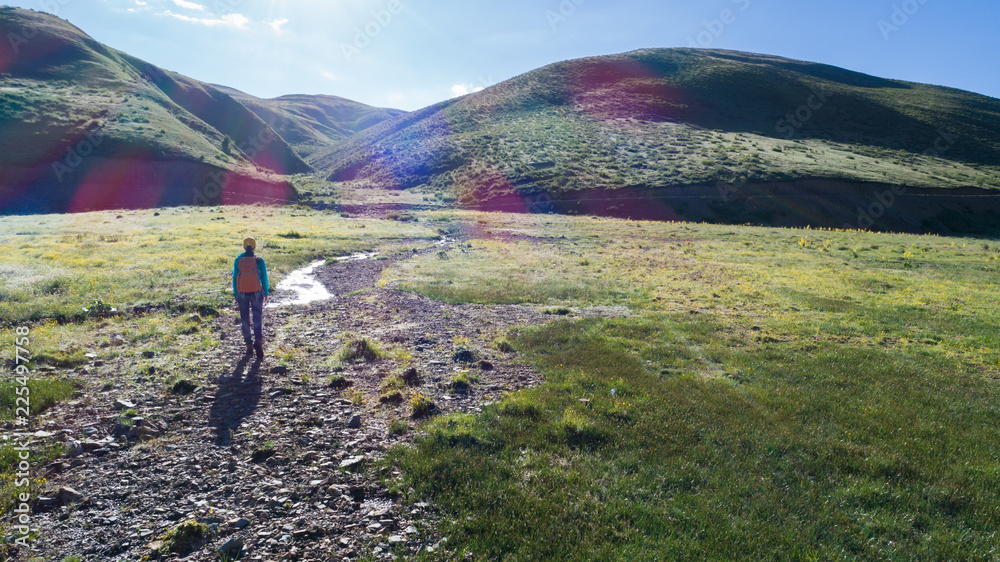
(409, 54)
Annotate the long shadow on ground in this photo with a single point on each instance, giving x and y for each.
(235, 399)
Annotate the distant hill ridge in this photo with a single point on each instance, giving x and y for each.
(651, 117)
(164, 139)
(694, 134)
(656, 124)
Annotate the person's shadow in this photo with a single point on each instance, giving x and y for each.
(236, 398)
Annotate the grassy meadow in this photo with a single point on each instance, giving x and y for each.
(775, 394)
(771, 393)
(54, 265)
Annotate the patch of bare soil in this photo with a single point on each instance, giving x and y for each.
(268, 452)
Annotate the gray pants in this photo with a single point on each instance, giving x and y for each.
(251, 302)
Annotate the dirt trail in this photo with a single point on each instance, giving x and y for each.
(267, 453)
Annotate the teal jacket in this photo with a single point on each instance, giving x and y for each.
(261, 269)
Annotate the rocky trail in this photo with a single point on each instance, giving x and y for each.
(267, 457)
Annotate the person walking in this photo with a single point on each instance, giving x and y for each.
(250, 288)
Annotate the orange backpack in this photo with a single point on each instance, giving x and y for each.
(248, 278)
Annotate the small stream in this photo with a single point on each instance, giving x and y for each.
(304, 285)
(306, 288)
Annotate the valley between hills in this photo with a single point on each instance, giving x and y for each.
(661, 134)
(666, 304)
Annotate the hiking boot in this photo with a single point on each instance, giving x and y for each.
(259, 347)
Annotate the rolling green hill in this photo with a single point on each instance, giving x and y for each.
(83, 126)
(312, 124)
(641, 124)
(676, 134)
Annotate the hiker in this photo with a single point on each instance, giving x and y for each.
(250, 289)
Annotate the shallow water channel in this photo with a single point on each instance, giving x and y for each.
(304, 285)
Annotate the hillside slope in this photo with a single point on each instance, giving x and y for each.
(313, 123)
(85, 126)
(656, 119)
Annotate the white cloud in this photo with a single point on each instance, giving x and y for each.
(276, 24)
(189, 5)
(464, 89)
(229, 20)
(328, 75)
(140, 3)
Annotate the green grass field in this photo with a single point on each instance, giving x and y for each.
(772, 393)
(776, 394)
(53, 265)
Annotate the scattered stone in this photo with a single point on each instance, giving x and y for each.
(231, 549)
(357, 493)
(351, 462)
(395, 397)
(279, 370)
(75, 449)
(184, 386)
(463, 355)
(411, 376)
(122, 404)
(486, 365)
(148, 354)
(67, 495)
(194, 319)
(241, 523)
(354, 422)
(261, 455)
(90, 431)
(396, 539)
(140, 431)
(339, 382)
